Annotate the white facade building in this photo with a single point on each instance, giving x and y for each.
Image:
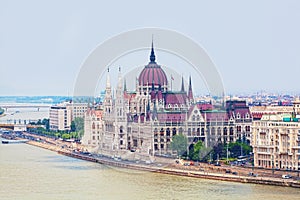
(276, 140)
(92, 129)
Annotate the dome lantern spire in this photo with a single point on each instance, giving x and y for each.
(152, 55)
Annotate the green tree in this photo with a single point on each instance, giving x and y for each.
(198, 151)
(179, 144)
(65, 136)
(77, 125)
(236, 148)
(46, 123)
(73, 127)
(194, 153)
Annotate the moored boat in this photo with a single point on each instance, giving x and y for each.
(13, 141)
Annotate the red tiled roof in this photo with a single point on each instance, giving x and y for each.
(215, 116)
(176, 98)
(205, 106)
(171, 117)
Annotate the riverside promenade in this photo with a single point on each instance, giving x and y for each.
(200, 171)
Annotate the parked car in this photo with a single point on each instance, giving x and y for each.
(252, 174)
(286, 176)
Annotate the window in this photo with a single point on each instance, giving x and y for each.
(238, 129)
(168, 131)
(247, 116)
(248, 128)
(225, 131)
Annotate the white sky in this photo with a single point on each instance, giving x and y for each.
(254, 44)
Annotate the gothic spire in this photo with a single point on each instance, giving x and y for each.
(190, 93)
(125, 87)
(190, 83)
(182, 84)
(108, 79)
(152, 56)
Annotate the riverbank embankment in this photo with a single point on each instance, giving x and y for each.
(167, 169)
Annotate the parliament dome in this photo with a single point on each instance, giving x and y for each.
(153, 74)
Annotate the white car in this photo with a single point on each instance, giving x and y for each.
(286, 176)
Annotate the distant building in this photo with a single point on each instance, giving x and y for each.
(60, 117)
(258, 111)
(78, 109)
(276, 140)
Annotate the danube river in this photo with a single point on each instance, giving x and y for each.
(28, 172)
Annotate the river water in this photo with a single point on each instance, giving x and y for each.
(28, 172)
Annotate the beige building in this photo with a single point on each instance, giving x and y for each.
(78, 109)
(92, 129)
(63, 114)
(276, 142)
(60, 117)
(258, 111)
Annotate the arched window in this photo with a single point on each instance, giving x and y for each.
(202, 131)
(247, 128)
(174, 131)
(162, 132)
(231, 131)
(189, 131)
(225, 131)
(168, 132)
(219, 132)
(247, 116)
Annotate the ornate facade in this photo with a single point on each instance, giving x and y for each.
(142, 122)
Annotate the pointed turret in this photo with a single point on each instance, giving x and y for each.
(125, 86)
(182, 84)
(190, 93)
(120, 79)
(108, 79)
(152, 55)
(108, 99)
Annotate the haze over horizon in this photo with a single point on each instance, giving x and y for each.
(255, 44)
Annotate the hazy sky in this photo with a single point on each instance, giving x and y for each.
(254, 44)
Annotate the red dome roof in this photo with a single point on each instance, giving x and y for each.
(153, 73)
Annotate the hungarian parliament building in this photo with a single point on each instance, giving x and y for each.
(140, 124)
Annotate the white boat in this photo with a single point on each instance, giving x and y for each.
(13, 141)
